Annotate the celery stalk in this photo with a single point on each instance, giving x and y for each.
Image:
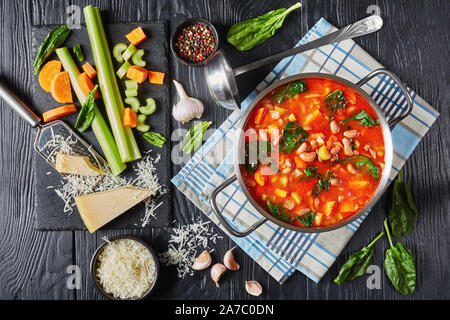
(99, 126)
(124, 137)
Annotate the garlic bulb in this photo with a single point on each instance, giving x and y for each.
(253, 288)
(228, 260)
(187, 108)
(202, 262)
(217, 271)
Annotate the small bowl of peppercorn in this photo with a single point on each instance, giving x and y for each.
(194, 41)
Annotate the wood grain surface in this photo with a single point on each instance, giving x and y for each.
(413, 43)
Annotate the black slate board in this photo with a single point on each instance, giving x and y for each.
(49, 208)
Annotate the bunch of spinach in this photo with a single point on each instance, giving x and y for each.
(248, 34)
(293, 136)
(361, 161)
(403, 211)
(255, 153)
(399, 266)
(364, 119)
(53, 41)
(357, 264)
(335, 100)
(194, 138)
(289, 91)
(87, 113)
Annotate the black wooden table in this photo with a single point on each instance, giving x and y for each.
(413, 43)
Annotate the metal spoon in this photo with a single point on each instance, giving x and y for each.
(220, 77)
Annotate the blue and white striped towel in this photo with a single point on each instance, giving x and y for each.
(280, 251)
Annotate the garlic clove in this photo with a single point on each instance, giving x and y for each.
(187, 108)
(217, 271)
(228, 260)
(202, 261)
(253, 288)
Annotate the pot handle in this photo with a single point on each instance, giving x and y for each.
(402, 87)
(221, 218)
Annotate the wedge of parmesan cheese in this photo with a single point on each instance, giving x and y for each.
(68, 163)
(99, 208)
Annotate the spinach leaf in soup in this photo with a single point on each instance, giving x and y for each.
(357, 264)
(278, 211)
(335, 100)
(289, 91)
(311, 171)
(403, 211)
(399, 266)
(256, 152)
(306, 219)
(364, 119)
(362, 161)
(293, 136)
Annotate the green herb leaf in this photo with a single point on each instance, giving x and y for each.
(357, 264)
(194, 137)
(311, 171)
(247, 34)
(53, 40)
(361, 161)
(87, 113)
(255, 153)
(364, 119)
(403, 211)
(324, 182)
(155, 139)
(335, 100)
(278, 211)
(306, 219)
(289, 91)
(399, 266)
(293, 136)
(78, 52)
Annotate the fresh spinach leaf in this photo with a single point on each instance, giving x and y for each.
(248, 34)
(289, 91)
(364, 119)
(311, 171)
(155, 139)
(357, 264)
(78, 52)
(399, 266)
(194, 138)
(255, 153)
(335, 100)
(306, 219)
(293, 136)
(278, 211)
(87, 113)
(403, 211)
(53, 41)
(324, 183)
(366, 162)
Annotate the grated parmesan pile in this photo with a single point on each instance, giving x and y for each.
(126, 269)
(76, 185)
(184, 243)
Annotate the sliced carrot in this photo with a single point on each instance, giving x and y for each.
(59, 112)
(61, 90)
(129, 118)
(48, 72)
(156, 77)
(87, 85)
(90, 71)
(136, 36)
(137, 74)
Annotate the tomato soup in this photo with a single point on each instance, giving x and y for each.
(314, 152)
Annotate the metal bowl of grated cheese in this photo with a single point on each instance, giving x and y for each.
(124, 268)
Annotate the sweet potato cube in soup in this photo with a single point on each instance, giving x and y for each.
(328, 208)
(311, 116)
(296, 197)
(281, 193)
(358, 183)
(284, 181)
(347, 206)
(292, 117)
(259, 178)
(318, 219)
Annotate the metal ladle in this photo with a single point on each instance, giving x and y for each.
(220, 77)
